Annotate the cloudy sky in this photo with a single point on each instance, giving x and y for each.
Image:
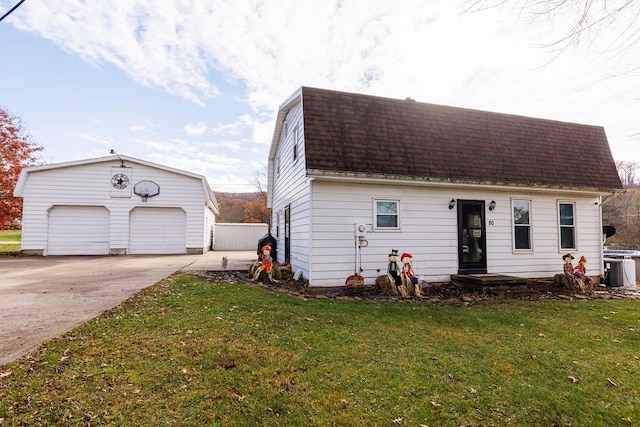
(196, 84)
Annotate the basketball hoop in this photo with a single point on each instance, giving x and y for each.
(146, 189)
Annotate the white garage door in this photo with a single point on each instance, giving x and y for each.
(78, 230)
(158, 231)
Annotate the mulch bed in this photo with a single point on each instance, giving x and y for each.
(449, 292)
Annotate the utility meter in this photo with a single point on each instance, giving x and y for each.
(360, 229)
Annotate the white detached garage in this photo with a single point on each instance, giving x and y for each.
(115, 206)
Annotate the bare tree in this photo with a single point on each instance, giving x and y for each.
(260, 180)
(589, 19)
(627, 172)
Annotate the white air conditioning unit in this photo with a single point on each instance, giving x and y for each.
(360, 229)
(622, 272)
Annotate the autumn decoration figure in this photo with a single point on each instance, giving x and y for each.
(581, 272)
(264, 266)
(574, 278)
(410, 285)
(389, 284)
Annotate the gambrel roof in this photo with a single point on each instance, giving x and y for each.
(362, 135)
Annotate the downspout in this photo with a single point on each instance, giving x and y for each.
(604, 239)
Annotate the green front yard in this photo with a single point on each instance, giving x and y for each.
(9, 249)
(189, 352)
(10, 235)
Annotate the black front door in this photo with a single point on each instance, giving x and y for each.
(472, 243)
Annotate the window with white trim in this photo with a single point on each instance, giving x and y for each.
(521, 225)
(567, 224)
(387, 214)
(296, 133)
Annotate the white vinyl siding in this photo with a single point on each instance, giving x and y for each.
(292, 187)
(429, 232)
(157, 231)
(78, 230)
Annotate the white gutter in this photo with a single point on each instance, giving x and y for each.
(448, 183)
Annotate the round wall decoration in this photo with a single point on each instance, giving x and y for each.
(120, 181)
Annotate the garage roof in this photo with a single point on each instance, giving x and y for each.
(17, 192)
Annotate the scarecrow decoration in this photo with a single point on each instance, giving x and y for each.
(264, 266)
(392, 269)
(574, 278)
(581, 273)
(389, 284)
(410, 284)
(568, 264)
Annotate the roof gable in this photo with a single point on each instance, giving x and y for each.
(362, 134)
(116, 160)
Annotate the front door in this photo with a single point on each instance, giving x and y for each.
(472, 244)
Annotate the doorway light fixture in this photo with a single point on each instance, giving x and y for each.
(452, 204)
(492, 205)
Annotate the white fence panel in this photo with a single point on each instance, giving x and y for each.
(238, 237)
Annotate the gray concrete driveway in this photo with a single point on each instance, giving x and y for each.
(43, 297)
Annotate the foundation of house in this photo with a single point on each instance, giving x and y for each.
(487, 280)
(494, 284)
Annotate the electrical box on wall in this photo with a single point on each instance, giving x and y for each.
(360, 229)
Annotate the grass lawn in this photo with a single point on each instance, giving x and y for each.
(189, 352)
(9, 249)
(10, 235)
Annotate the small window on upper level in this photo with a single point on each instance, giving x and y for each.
(296, 134)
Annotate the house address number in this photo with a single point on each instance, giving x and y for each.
(491, 222)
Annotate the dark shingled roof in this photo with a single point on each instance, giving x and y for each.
(362, 134)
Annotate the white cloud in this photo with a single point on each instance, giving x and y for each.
(430, 51)
(195, 129)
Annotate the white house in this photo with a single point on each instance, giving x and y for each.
(464, 191)
(109, 205)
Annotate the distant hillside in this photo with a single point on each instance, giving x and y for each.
(242, 207)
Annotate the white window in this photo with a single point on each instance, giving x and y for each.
(387, 216)
(521, 225)
(567, 224)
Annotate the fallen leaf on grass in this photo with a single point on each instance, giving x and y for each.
(626, 419)
(435, 404)
(611, 383)
(574, 380)
(308, 319)
(236, 396)
(344, 402)
(5, 374)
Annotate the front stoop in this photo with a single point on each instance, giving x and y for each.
(495, 284)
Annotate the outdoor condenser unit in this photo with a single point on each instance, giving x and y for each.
(621, 272)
